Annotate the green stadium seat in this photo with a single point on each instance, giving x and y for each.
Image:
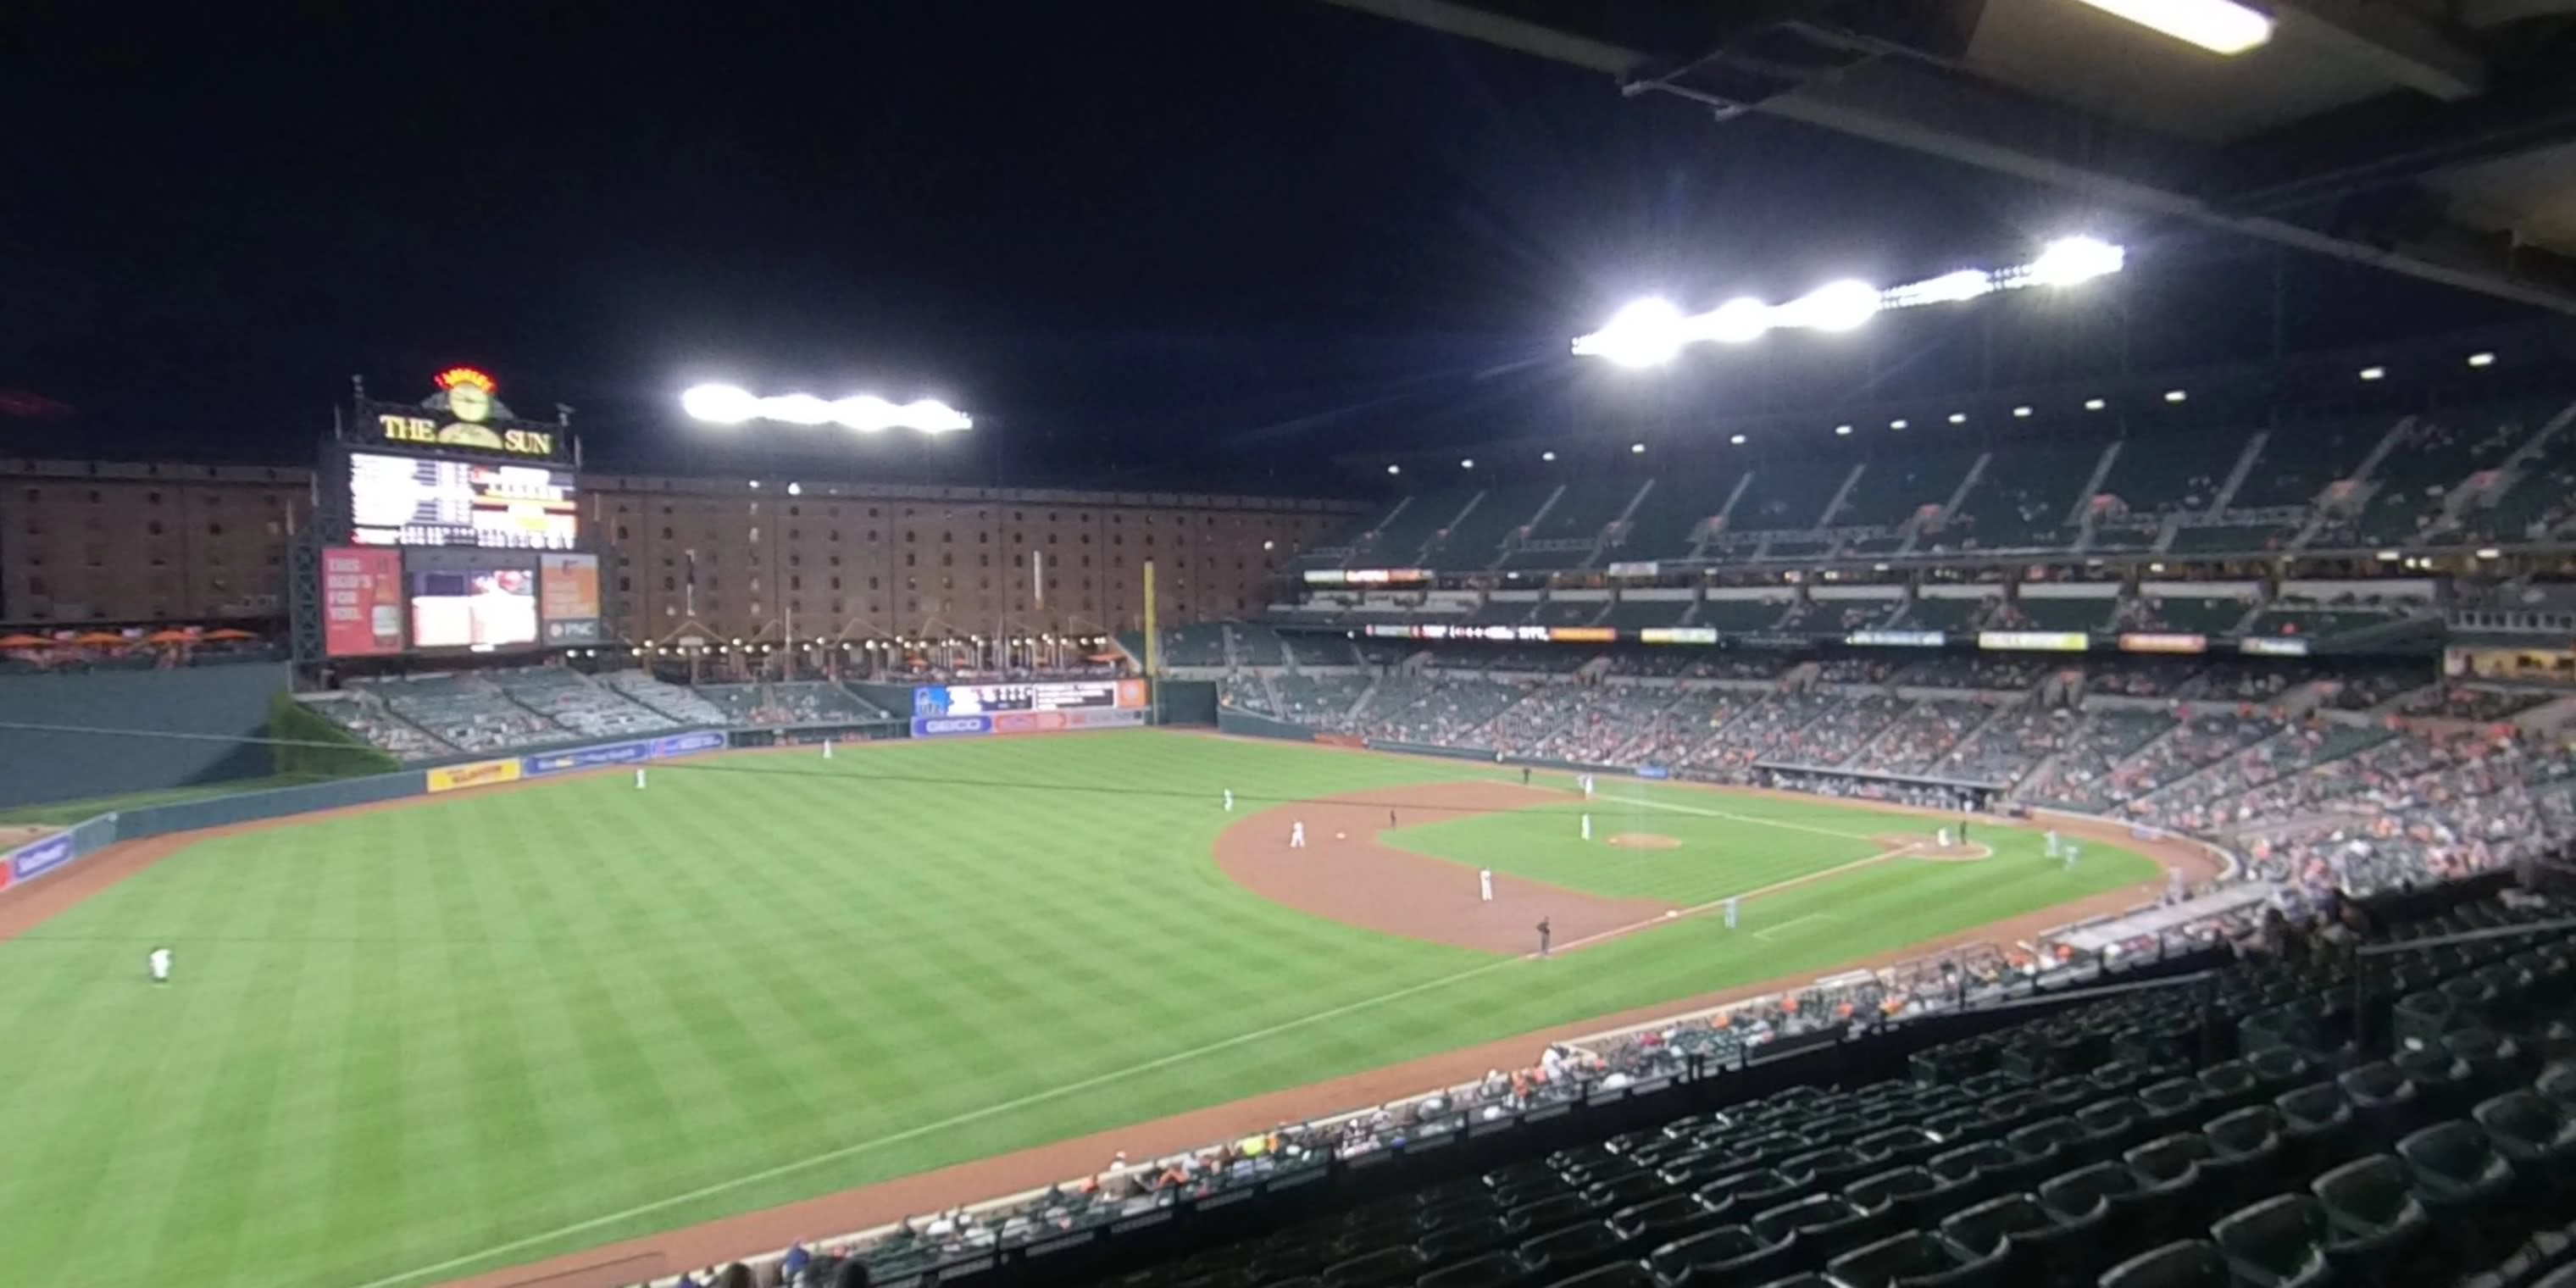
(1530, 1219)
(2537, 1136)
(2110, 1128)
(2443, 1083)
(1824, 1224)
(2279, 1069)
(2171, 1105)
(2049, 1145)
(2495, 1062)
(2246, 1158)
(1652, 1224)
(1492, 1270)
(1465, 1239)
(2228, 1086)
(1901, 1145)
(1909, 1258)
(2277, 1243)
(1984, 1169)
(2383, 1101)
(1751, 1191)
(1725, 1257)
(2317, 1129)
(1620, 1274)
(1911, 1197)
(1826, 1169)
(2467, 1187)
(2174, 1195)
(2019, 1237)
(1384, 1268)
(2380, 1233)
(1571, 1250)
(2191, 1263)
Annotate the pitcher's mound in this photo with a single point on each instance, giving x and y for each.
(1924, 847)
(1645, 841)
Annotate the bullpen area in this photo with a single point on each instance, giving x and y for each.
(409, 1043)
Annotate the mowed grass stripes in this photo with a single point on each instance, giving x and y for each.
(483, 1029)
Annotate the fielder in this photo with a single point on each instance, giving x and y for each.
(1297, 836)
(1587, 827)
(157, 965)
(639, 779)
(1485, 884)
(2073, 852)
(2053, 850)
(1587, 787)
(1229, 800)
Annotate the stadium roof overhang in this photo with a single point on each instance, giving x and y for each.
(2436, 140)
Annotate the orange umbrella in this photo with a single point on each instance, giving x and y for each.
(228, 633)
(24, 641)
(168, 637)
(98, 639)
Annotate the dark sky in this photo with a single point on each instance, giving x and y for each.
(1143, 241)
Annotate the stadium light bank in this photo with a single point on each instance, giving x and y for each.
(866, 413)
(1650, 332)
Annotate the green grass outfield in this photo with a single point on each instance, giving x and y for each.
(412, 1043)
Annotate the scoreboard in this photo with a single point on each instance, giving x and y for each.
(932, 701)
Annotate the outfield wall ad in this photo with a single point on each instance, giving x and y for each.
(1010, 722)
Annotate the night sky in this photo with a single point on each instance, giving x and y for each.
(1147, 243)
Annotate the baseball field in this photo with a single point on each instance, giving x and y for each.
(408, 1043)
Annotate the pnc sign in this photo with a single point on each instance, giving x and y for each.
(464, 414)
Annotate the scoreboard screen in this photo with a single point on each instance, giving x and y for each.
(425, 501)
(1038, 695)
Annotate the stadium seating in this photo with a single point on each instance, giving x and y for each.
(676, 701)
(2023, 499)
(470, 713)
(1574, 524)
(810, 703)
(580, 705)
(2255, 1127)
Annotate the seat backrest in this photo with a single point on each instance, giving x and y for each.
(1884, 1263)
(2189, 1263)
(1985, 1229)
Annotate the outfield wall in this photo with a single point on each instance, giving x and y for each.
(62, 849)
(202, 719)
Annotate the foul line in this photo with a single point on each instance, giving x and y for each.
(1756, 820)
(924, 1129)
(1771, 889)
(1765, 933)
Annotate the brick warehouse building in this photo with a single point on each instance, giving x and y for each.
(106, 543)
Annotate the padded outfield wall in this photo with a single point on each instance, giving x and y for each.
(205, 714)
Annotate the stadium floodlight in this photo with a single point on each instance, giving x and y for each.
(866, 413)
(1737, 439)
(1958, 418)
(1467, 464)
(2219, 26)
(2175, 395)
(2374, 373)
(1636, 449)
(2094, 404)
(1547, 456)
(2481, 359)
(1898, 423)
(1842, 431)
(1643, 334)
(1395, 469)
(1652, 331)
(2071, 261)
(1837, 306)
(2021, 413)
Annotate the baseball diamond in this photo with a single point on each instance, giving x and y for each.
(423, 1040)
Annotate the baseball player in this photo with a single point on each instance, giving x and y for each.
(1587, 787)
(1485, 884)
(1543, 933)
(1229, 800)
(1390, 817)
(639, 778)
(2073, 852)
(1587, 827)
(157, 965)
(2051, 840)
(1297, 835)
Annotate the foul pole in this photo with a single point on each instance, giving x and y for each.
(1153, 651)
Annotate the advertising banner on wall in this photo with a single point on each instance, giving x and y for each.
(619, 753)
(480, 773)
(362, 602)
(2153, 642)
(2036, 641)
(1013, 722)
(1897, 639)
(2266, 646)
(37, 858)
(1677, 635)
(568, 598)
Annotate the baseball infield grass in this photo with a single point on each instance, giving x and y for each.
(408, 1044)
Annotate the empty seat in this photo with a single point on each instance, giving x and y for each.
(2537, 1136)
(2245, 1160)
(1464, 1239)
(1383, 1268)
(1825, 1224)
(1911, 1196)
(2466, 1186)
(2171, 1104)
(2383, 1101)
(1660, 1221)
(1751, 1191)
(2316, 1127)
(2191, 1263)
(2230, 1085)
(1546, 1214)
(1826, 1169)
(1492, 1270)
(1571, 1250)
(2173, 1196)
(2105, 1211)
(1723, 1258)
(2050, 1145)
(2442, 1081)
(1908, 1258)
(1901, 1145)
(1618, 1274)
(2277, 1243)
(1983, 1170)
(2110, 1127)
(2379, 1231)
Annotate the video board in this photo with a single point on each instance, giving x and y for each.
(470, 599)
(1052, 695)
(428, 501)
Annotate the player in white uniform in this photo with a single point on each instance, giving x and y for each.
(1229, 800)
(157, 964)
(639, 778)
(1485, 884)
(1587, 827)
(2053, 851)
(1297, 836)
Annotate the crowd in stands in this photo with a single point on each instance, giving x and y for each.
(2466, 702)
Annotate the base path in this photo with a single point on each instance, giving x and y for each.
(1345, 872)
